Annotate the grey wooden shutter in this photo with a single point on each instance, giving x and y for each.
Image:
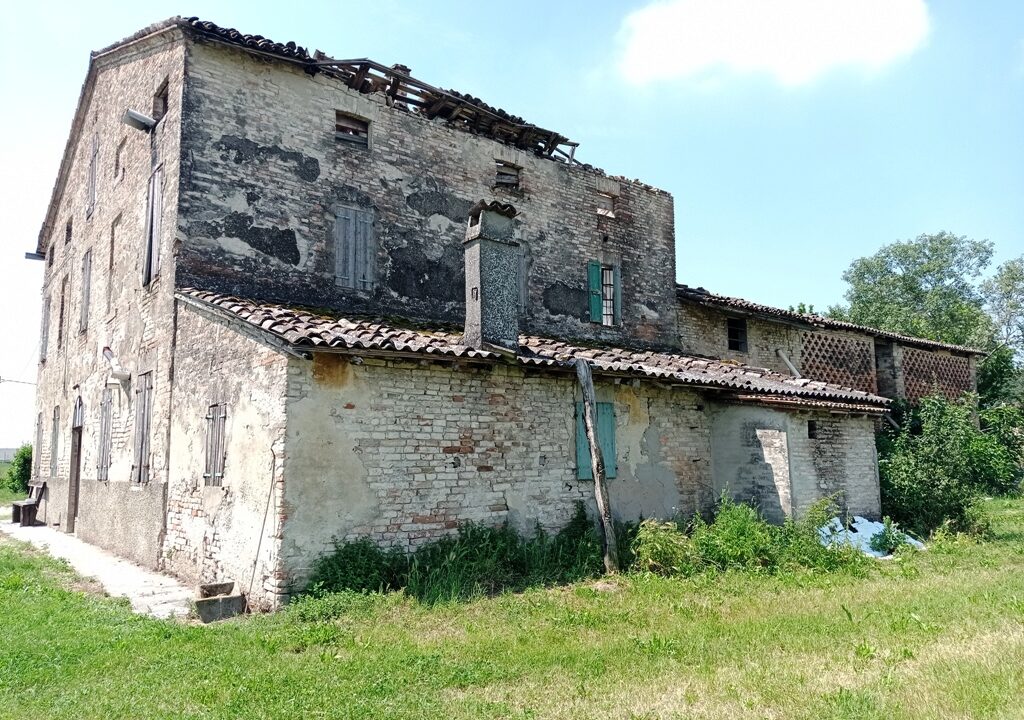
(83, 314)
(219, 447)
(154, 216)
(55, 443)
(91, 201)
(143, 414)
(617, 280)
(106, 410)
(344, 245)
(355, 248)
(44, 333)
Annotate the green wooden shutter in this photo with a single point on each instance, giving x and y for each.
(605, 438)
(594, 288)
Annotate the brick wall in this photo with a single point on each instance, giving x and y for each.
(924, 372)
(123, 315)
(703, 331)
(263, 173)
(840, 358)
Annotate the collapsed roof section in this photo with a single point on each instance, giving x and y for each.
(306, 331)
(700, 296)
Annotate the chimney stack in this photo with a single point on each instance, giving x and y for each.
(492, 278)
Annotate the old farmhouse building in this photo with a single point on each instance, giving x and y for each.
(290, 298)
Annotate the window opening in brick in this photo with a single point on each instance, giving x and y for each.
(60, 315)
(737, 333)
(106, 419)
(83, 308)
(143, 420)
(812, 429)
(68, 232)
(506, 174)
(604, 293)
(607, 295)
(160, 100)
(119, 161)
(216, 419)
(355, 248)
(606, 204)
(351, 129)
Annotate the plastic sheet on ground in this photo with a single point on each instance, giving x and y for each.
(858, 534)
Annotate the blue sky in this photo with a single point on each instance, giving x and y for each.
(795, 135)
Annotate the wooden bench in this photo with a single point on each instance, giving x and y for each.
(23, 512)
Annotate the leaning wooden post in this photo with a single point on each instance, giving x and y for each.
(611, 550)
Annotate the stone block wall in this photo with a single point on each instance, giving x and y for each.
(230, 531)
(402, 453)
(263, 174)
(134, 321)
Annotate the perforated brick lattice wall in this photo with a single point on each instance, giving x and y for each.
(837, 359)
(925, 372)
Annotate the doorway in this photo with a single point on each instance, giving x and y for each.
(76, 465)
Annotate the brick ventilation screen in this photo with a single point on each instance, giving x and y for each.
(924, 372)
(840, 360)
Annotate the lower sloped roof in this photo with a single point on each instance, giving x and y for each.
(319, 331)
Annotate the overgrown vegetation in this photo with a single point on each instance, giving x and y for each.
(478, 561)
(740, 539)
(15, 480)
(889, 539)
(935, 470)
(937, 634)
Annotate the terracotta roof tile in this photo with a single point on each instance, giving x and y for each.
(304, 329)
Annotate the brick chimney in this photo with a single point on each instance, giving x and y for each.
(492, 278)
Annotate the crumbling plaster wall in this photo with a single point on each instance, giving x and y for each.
(766, 456)
(131, 319)
(402, 453)
(263, 172)
(228, 532)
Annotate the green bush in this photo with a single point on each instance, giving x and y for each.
(937, 467)
(20, 472)
(738, 538)
(479, 560)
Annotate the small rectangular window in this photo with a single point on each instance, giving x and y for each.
(606, 204)
(355, 248)
(60, 316)
(605, 293)
(605, 439)
(154, 218)
(106, 420)
(90, 203)
(160, 100)
(216, 420)
(68, 231)
(812, 429)
(506, 174)
(351, 129)
(51, 253)
(119, 161)
(55, 444)
(143, 421)
(737, 334)
(83, 309)
(44, 331)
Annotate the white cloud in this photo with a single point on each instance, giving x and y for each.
(793, 41)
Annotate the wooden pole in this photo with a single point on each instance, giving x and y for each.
(611, 550)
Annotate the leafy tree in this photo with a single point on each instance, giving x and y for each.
(926, 287)
(1004, 298)
(20, 471)
(999, 379)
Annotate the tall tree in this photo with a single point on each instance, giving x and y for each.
(926, 287)
(1004, 299)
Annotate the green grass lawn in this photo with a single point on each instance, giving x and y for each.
(939, 634)
(6, 496)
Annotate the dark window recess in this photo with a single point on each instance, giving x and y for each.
(506, 174)
(143, 420)
(60, 316)
(606, 204)
(90, 203)
(83, 308)
(351, 129)
(51, 254)
(119, 161)
(160, 99)
(106, 419)
(812, 429)
(604, 289)
(737, 331)
(355, 248)
(605, 439)
(154, 220)
(68, 232)
(216, 420)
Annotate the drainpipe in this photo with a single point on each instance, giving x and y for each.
(790, 365)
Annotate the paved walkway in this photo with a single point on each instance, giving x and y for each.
(149, 592)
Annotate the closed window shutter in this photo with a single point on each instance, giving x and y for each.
(103, 463)
(55, 443)
(154, 216)
(366, 250)
(344, 246)
(44, 333)
(222, 414)
(605, 438)
(143, 415)
(594, 290)
(355, 249)
(83, 316)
